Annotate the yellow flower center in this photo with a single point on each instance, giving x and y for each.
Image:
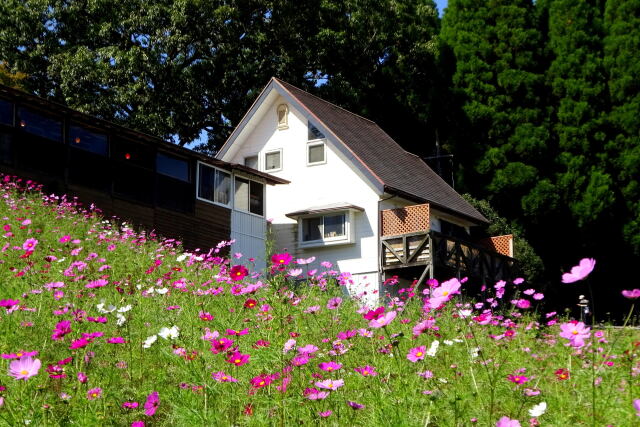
(24, 372)
(445, 293)
(237, 361)
(330, 385)
(224, 378)
(19, 354)
(329, 368)
(261, 383)
(574, 332)
(365, 373)
(419, 354)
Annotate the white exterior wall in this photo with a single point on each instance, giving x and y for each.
(332, 182)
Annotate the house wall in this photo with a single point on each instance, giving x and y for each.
(333, 182)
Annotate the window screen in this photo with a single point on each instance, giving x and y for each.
(256, 201)
(241, 200)
(334, 226)
(312, 229)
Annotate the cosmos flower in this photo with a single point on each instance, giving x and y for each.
(417, 353)
(575, 332)
(151, 405)
(579, 271)
(383, 320)
(329, 366)
(631, 294)
(24, 368)
(330, 384)
(334, 303)
(238, 358)
(221, 377)
(238, 272)
(538, 409)
(354, 405)
(281, 259)
(169, 333)
(94, 393)
(30, 245)
(366, 371)
(507, 422)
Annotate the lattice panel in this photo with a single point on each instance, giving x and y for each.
(500, 244)
(404, 220)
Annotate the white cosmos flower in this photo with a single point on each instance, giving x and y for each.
(183, 257)
(121, 319)
(108, 309)
(162, 291)
(125, 308)
(149, 341)
(465, 313)
(538, 409)
(474, 352)
(448, 342)
(169, 333)
(433, 348)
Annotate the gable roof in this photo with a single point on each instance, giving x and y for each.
(399, 171)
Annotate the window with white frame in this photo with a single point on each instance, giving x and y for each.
(249, 196)
(214, 185)
(316, 153)
(273, 160)
(330, 228)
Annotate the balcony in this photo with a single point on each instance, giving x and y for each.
(406, 240)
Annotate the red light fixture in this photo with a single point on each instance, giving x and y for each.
(77, 140)
(127, 156)
(23, 123)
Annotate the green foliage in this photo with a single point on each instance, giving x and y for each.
(529, 263)
(9, 78)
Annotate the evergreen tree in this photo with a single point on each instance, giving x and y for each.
(622, 63)
(499, 78)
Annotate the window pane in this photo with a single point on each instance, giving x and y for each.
(223, 187)
(6, 112)
(6, 154)
(256, 198)
(37, 124)
(272, 160)
(312, 229)
(88, 140)
(133, 153)
(313, 132)
(316, 153)
(334, 225)
(173, 167)
(206, 182)
(241, 200)
(251, 161)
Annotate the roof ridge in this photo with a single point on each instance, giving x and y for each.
(326, 102)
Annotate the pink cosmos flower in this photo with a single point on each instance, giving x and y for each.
(137, 424)
(424, 326)
(19, 354)
(315, 394)
(8, 303)
(232, 332)
(151, 405)
(308, 349)
(29, 244)
(97, 284)
(221, 377)
(116, 340)
(130, 405)
(579, 271)
(261, 381)
(636, 406)
(238, 359)
(220, 345)
(334, 303)
(631, 294)
(354, 405)
(65, 239)
(330, 384)
(238, 272)
(82, 377)
(325, 414)
(366, 371)
(575, 332)
(517, 379)
(329, 366)
(373, 314)
(444, 293)
(507, 422)
(417, 353)
(24, 368)
(94, 393)
(383, 320)
(523, 304)
(300, 360)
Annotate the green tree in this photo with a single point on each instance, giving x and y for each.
(622, 64)
(499, 79)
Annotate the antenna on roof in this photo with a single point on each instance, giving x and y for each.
(437, 163)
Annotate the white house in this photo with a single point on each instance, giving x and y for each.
(351, 188)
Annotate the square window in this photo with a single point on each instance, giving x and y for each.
(315, 154)
(273, 160)
(312, 229)
(40, 125)
(313, 132)
(251, 161)
(334, 226)
(173, 167)
(329, 229)
(241, 197)
(214, 185)
(88, 140)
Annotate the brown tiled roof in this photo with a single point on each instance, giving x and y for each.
(399, 171)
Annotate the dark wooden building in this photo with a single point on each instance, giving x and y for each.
(177, 192)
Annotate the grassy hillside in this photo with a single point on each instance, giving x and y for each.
(101, 325)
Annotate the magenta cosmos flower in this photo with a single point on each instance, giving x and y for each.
(636, 406)
(29, 244)
(366, 371)
(94, 393)
(281, 259)
(579, 271)
(151, 405)
(444, 293)
(334, 303)
(417, 353)
(238, 359)
(238, 272)
(24, 368)
(329, 366)
(383, 320)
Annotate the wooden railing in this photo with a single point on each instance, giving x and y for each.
(410, 219)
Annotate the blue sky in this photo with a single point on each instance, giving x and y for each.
(441, 5)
